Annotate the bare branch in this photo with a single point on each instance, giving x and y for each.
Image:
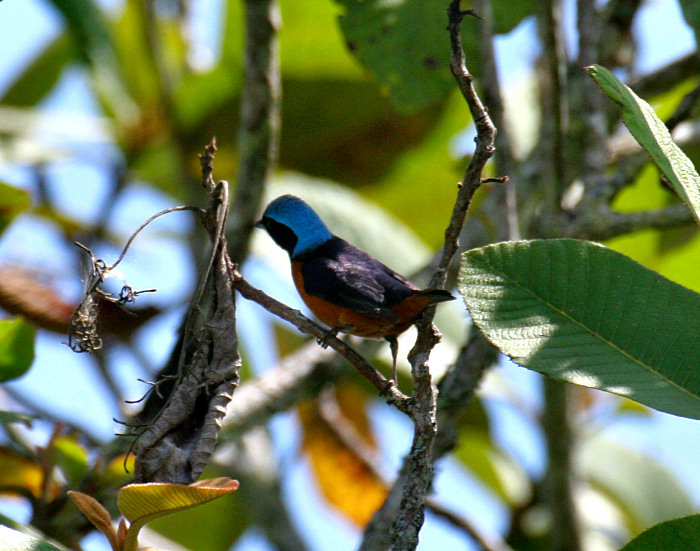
(486, 543)
(592, 143)
(300, 375)
(554, 99)
(665, 78)
(504, 162)
(557, 482)
(258, 137)
(406, 501)
(603, 224)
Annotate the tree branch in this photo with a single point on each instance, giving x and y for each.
(258, 137)
(556, 424)
(504, 161)
(665, 78)
(300, 375)
(555, 103)
(593, 144)
(457, 389)
(604, 223)
(406, 500)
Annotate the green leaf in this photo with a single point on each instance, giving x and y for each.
(222, 520)
(681, 534)
(653, 136)
(12, 202)
(498, 471)
(645, 492)
(406, 46)
(11, 540)
(7, 417)
(92, 38)
(71, 457)
(691, 13)
(16, 348)
(582, 313)
(41, 75)
(507, 15)
(142, 503)
(87, 26)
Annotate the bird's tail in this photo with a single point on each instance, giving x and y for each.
(436, 295)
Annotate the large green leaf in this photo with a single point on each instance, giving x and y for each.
(16, 348)
(681, 534)
(653, 136)
(582, 313)
(11, 540)
(406, 46)
(644, 491)
(41, 74)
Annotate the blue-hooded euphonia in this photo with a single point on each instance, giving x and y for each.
(343, 286)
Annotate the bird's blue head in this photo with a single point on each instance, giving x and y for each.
(294, 225)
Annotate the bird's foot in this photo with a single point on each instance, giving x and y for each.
(331, 333)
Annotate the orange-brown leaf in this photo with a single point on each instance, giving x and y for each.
(97, 515)
(22, 293)
(342, 471)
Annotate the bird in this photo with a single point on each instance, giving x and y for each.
(344, 287)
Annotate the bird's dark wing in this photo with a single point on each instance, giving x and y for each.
(347, 276)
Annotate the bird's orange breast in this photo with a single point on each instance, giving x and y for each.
(363, 325)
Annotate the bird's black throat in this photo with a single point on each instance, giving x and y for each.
(281, 234)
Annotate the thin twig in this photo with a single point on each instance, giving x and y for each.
(485, 145)
(144, 224)
(486, 543)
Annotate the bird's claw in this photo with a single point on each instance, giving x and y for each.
(331, 333)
